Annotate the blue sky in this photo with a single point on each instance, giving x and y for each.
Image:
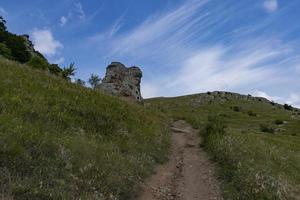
(182, 46)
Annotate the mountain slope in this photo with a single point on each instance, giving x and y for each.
(256, 142)
(59, 140)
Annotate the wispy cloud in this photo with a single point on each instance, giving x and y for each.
(76, 12)
(79, 10)
(63, 21)
(292, 99)
(3, 11)
(45, 43)
(58, 60)
(183, 51)
(270, 5)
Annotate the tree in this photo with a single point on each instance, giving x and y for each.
(2, 24)
(80, 82)
(67, 72)
(94, 80)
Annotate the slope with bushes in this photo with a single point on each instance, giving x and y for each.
(60, 140)
(255, 142)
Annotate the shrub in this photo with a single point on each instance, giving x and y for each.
(251, 113)
(266, 128)
(214, 126)
(278, 121)
(38, 63)
(55, 69)
(17, 46)
(5, 51)
(236, 108)
(287, 107)
(94, 80)
(80, 82)
(67, 72)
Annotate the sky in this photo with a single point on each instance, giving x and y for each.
(182, 46)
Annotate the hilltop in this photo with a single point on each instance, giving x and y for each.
(256, 142)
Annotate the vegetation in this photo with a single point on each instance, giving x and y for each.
(94, 80)
(69, 71)
(278, 122)
(12, 46)
(15, 47)
(287, 107)
(38, 63)
(59, 140)
(55, 69)
(80, 82)
(252, 164)
(266, 128)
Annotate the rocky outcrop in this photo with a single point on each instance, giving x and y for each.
(30, 47)
(122, 81)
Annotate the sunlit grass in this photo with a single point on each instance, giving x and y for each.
(253, 164)
(59, 140)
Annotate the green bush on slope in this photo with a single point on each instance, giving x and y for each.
(59, 140)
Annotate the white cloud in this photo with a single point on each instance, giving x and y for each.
(149, 90)
(79, 10)
(63, 21)
(3, 11)
(45, 43)
(59, 60)
(292, 99)
(271, 5)
(298, 69)
(184, 52)
(76, 12)
(216, 69)
(259, 93)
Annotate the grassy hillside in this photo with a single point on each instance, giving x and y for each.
(255, 142)
(59, 140)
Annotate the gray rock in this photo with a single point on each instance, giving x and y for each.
(122, 81)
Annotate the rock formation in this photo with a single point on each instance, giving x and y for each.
(30, 47)
(122, 81)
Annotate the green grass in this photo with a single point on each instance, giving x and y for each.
(59, 140)
(253, 164)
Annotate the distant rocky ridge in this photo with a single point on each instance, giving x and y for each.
(222, 97)
(122, 81)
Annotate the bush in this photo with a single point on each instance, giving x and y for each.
(236, 108)
(17, 46)
(4, 51)
(55, 69)
(251, 113)
(38, 63)
(214, 126)
(278, 121)
(266, 128)
(80, 82)
(287, 107)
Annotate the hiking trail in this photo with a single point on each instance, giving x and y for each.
(188, 175)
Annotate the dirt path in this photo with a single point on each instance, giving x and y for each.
(189, 174)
